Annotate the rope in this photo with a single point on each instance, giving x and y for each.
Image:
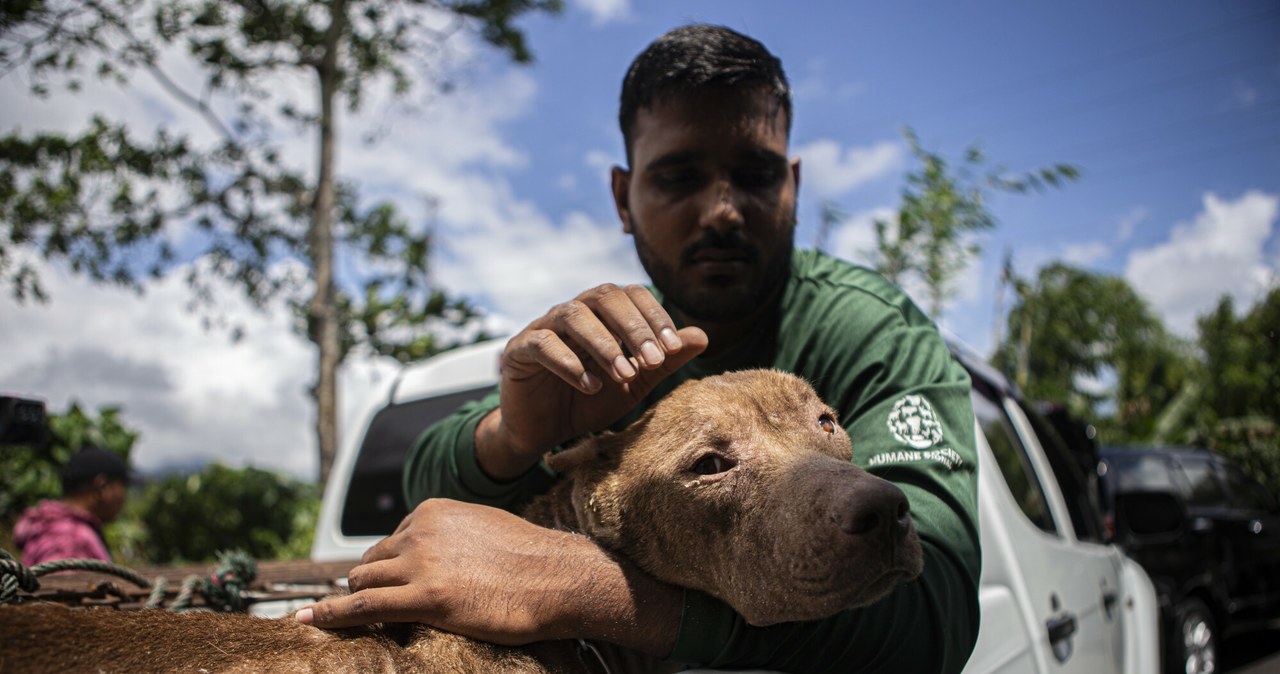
(14, 576)
(223, 590)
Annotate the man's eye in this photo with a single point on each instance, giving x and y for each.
(712, 464)
(827, 423)
(675, 180)
(757, 177)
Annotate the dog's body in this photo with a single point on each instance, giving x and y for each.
(738, 485)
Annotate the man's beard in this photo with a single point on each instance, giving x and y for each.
(732, 300)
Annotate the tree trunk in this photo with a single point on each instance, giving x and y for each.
(323, 310)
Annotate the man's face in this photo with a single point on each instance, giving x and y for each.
(112, 501)
(711, 201)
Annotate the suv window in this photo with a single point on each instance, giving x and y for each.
(1247, 492)
(1203, 488)
(1140, 472)
(1014, 463)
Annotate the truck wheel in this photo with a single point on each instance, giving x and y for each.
(1193, 643)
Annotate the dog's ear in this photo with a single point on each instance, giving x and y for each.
(597, 450)
(591, 464)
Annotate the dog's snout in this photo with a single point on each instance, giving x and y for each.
(876, 508)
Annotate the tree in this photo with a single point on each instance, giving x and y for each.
(191, 518)
(123, 209)
(1091, 341)
(1239, 407)
(942, 209)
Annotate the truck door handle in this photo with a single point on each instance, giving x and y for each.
(1109, 599)
(1061, 628)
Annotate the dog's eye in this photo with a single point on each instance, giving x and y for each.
(712, 464)
(827, 423)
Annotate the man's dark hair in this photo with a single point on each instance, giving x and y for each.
(693, 59)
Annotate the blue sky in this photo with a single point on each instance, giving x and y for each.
(1159, 104)
(1171, 109)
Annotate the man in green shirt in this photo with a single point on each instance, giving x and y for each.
(710, 198)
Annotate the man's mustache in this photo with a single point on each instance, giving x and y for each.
(733, 243)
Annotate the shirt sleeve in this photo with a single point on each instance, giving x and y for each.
(906, 405)
(442, 464)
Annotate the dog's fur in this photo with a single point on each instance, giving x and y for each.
(787, 529)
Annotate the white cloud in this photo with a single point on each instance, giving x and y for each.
(813, 83)
(1219, 252)
(600, 162)
(1086, 254)
(605, 11)
(194, 395)
(1130, 222)
(855, 238)
(521, 263)
(830, 171)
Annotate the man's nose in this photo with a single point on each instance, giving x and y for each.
(721, 211)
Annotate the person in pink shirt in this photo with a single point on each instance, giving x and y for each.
(94, 485)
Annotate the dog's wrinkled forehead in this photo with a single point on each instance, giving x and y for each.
(752, 392)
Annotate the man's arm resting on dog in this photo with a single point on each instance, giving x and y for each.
(488, 574)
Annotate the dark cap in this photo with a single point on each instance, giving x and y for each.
(91, 462)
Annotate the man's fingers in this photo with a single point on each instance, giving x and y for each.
(635, 318)
(659, 320)
(544, 348)
(693, 341)
(389, 604)
(384, 573)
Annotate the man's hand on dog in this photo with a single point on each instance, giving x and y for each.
(487, 574)
(568, 373)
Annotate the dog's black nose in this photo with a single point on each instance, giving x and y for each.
(876, 507)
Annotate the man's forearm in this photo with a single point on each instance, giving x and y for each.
(616, 602)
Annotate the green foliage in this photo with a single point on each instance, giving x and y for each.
(943, 208)
(1239, 402)
(180, 518)
(1241, 360)
(29, 473)
(1253, 443)
(1072, 329)
(189, 518)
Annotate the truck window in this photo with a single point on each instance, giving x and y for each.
(375, 498)
(1079, 490)
(1014, 463)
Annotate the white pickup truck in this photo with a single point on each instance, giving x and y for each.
(1053, 597)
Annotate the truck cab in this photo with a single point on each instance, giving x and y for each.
(1054, 596)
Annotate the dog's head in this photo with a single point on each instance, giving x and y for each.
(741, 485)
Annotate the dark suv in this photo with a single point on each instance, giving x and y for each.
(1207, 534)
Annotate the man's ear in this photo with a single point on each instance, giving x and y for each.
(795, 172)
(620, 184)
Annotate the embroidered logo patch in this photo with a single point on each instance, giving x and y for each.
(914, 423)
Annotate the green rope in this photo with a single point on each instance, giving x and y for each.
(223, 590)
(156, 599)
(14, 576)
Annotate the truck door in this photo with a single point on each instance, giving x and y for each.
(1073, 586)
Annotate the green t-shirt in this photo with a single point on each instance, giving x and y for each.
(880, 362)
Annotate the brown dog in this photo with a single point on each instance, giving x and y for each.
(739, 485)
